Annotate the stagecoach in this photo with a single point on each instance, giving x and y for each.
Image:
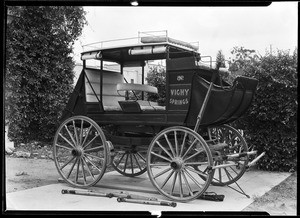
(184, 144)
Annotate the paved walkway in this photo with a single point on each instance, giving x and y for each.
(254, 183)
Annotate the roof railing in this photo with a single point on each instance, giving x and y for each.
(150, 35)
(107, 43)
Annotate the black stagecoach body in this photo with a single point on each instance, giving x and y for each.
(185, 144)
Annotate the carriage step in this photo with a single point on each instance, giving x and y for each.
(218, 146)
(111, 152)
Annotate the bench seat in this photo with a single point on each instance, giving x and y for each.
(114, 90)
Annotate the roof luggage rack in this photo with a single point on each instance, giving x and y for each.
(144, 38)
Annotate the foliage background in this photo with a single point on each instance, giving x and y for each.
(39, 68)
(270, 124)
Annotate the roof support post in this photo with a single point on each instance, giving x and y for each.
(167, 80)
(143, 75)
(101, 80)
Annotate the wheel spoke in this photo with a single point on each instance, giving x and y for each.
(81, 132)
(137, 162)
(176, 142)
(91, 162)
(227, 174)
(93, 149)
(171, 148)
(198, 152)
(233, 170)
(174, 182)
(138, 153)
(196, 171)
(180, 184)
(88, 169)
(62, 146)
(192, 178)
(90, 142)
(182, 145)
(165, 150)
(125, 166)
(196, 163)
(167, 179)
(70, 135)
(77, 170)
(63, 166)
(131, 162)
(86, 135)
(70, 171)
(75, 132)
(83, 173)
(189, 148)
(167, 159)
(220, 175)
(90, 155)
(120, 159)
(159, 164)
(73, 146)
(162, 172)
(187, 184)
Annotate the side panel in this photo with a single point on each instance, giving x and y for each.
(76, 103)
(180, 72)
(150, 119)
(120, 118)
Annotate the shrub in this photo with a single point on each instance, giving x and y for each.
(270, 124)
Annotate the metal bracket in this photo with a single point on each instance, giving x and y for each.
(111, 152)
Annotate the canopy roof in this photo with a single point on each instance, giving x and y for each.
(149, 48)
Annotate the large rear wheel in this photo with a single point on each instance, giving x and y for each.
(171, 158)
(80, 151)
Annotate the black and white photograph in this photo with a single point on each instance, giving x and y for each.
(150, 107)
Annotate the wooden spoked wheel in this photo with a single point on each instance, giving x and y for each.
(80, 151)
(130, 161)
(234, 144)
(170, 159)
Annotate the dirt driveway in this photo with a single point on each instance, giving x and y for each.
(26, 173)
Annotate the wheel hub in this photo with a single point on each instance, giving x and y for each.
(77, 152)
(177, 164)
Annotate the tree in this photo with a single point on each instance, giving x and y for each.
(220, 59)
(243, 58)
(39, 68)
(220, 63)
(157, 77)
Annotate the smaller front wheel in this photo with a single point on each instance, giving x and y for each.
(80, 151)
(171, 158)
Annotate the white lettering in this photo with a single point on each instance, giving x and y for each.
(179, 101)
(180, 92)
